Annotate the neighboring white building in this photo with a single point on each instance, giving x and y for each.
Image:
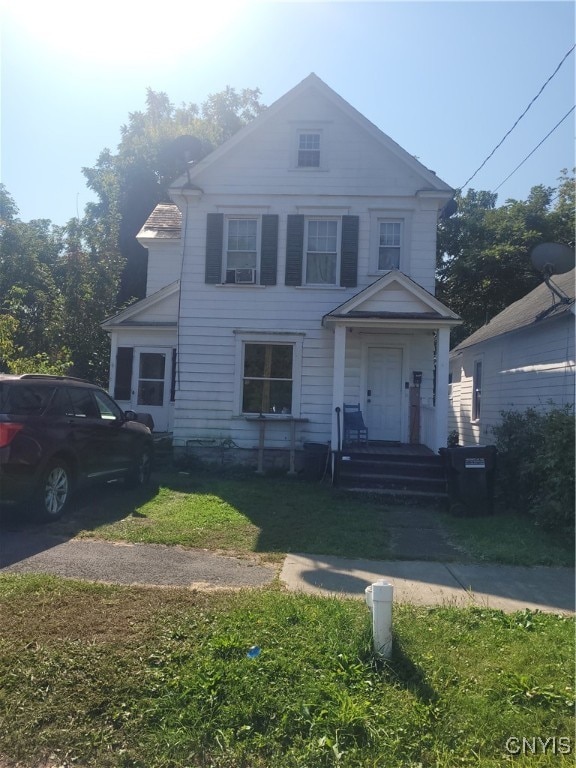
(524, 357)
(294, 273)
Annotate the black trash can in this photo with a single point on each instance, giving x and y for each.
(315, 460)
(470, 475)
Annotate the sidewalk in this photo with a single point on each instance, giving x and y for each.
(505, 587)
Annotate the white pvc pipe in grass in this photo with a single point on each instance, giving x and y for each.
(379, 598)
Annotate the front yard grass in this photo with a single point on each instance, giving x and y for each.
(237, 513)
(512, 539)
(121, 677)
(247, 515)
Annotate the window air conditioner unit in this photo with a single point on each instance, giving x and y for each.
(241, 276)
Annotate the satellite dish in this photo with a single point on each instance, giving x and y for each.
(552, 258)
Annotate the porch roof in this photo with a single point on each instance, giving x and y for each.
(394, 300)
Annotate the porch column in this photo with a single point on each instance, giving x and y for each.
(441, 409)
(338, 380)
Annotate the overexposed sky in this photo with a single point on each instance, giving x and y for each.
(446, 80)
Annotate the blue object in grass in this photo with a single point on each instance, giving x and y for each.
(253, 652)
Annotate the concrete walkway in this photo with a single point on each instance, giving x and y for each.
(505, 587)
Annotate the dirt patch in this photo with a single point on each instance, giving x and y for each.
(118, 615)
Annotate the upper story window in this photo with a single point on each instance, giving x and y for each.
(390, 241)
(242, 251)
(322, 256)
(308, 149)
(389, 245)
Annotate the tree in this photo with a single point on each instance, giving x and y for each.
(155, 147)
(483, 259)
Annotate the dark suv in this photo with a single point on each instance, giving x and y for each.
(58, 434)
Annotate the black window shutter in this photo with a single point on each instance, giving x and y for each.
(214, 241)
(123, 379)
(269, 249)
(294, 249)
(349, 252)
(173, 378)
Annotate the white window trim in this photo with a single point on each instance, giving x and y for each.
(392, 217)
(296, 340)
(234, 217)
(307, 220)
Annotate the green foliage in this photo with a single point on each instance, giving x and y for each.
(120, 677)
(155, 148)
(536, 464)
(483, 252)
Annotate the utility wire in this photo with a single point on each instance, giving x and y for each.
(535, 148)
(518, 120)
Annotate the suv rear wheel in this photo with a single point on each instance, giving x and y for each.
(54, 490)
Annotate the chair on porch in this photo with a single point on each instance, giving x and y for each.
(355, 431)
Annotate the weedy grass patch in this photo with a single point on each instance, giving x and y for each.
(170, 684)
(510, 538)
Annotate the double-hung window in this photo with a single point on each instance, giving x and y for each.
(389, 244)
(308, 149)
(267, 382)
(322, 254)
(241, 243)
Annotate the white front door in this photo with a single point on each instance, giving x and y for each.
(151, 375)
(384, 394)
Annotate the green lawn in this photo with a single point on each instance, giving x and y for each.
(121, 677)
(240, 513)
(512, 539)
(267, 517)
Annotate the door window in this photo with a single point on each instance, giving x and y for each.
(151, 378)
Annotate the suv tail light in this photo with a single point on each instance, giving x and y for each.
(8, 431)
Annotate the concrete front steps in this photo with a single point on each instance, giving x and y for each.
(409, 476)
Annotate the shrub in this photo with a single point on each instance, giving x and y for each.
(536, 465)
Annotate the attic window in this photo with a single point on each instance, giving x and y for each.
(308, 149)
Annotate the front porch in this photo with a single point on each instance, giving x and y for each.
(409, 472)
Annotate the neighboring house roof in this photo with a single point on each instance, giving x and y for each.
(536, 307)
(431, 182)
(165, 222)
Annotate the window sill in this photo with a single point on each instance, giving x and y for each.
(318, 287)
(240, 285)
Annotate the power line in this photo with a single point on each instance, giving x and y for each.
(535, 148)
(518, 120)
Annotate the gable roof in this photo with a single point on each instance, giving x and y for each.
(536, 307)
(431, 182)
(391, 299)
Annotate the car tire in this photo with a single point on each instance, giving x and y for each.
(54, 491)
(140, 474)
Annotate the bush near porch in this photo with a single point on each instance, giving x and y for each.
(536, 466)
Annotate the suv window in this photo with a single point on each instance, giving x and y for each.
(24, 399)
(107, 407)
(83, 404)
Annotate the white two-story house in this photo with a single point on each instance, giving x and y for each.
(293, 273)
